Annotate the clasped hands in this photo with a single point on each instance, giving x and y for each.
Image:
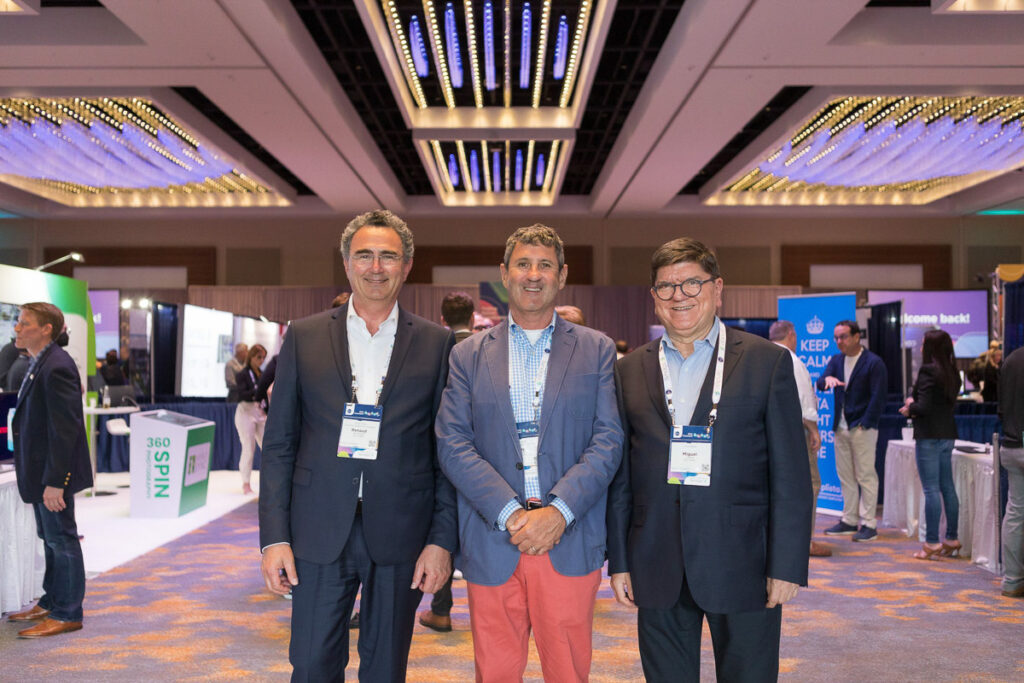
(536, 531)
(905, 410)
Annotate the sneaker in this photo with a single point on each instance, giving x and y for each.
(865, 533)
(841, 528)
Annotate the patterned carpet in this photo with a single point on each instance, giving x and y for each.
(196, 610)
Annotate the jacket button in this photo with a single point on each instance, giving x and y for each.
(355, 481)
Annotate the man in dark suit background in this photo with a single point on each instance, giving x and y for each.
(730, 542)
(51, 459)
(345, 501)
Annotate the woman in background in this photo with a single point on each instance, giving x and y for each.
(932, 405)
(249, 416)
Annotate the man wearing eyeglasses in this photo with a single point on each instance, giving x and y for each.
(709, 514)
(859, 379)
(350, 491)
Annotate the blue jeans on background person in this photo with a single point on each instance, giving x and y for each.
(935, 467)
(64, 580)
(1013, 523)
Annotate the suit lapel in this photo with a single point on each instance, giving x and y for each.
(563, 343)
(31, 378)
(403, 340)
(733, 352)
(495, 351)
(655, 383)
(339, 344)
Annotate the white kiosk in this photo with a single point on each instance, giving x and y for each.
(170, 463)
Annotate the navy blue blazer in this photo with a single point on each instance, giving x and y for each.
(49, 430)
(308, 494)
(862, 400)
(751, 523)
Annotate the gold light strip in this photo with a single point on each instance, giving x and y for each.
(474, 62)
(439, 59)
(582, 21)
(487, 166)
(549, 172)
(542, 48)
(508, 66)
(508, 164)
(402, 45)
(528, 174)
(442, 167)
(467, 179)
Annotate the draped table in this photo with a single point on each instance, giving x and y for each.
(22, 563)
(974, 479)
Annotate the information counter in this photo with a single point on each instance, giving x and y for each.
(22, 563)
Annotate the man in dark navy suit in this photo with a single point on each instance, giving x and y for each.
(351, 493)
(709, 515)
(51, 459)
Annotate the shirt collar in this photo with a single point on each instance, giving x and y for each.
(39, 355)
(513, 325)
(711, 338)
(392, 318)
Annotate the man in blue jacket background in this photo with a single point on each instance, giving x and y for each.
(859, 379)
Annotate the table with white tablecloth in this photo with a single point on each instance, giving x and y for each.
(22, 563)
(974, 479)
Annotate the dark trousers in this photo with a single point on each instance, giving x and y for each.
(64, 580)
(746, 644)
(441, 603)
(322, 605)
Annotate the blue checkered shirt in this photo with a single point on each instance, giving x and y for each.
(524, 360)
(32, 368)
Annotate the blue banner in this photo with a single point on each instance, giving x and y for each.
(814, 317)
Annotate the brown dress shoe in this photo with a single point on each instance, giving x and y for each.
(50, 627)
(36, 612)
(436, 621)
(820, 550)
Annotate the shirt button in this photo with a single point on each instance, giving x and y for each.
(355, 481)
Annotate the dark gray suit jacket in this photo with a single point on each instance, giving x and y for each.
(308, 494)
(752, 522)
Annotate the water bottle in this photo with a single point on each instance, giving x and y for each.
(106, 397)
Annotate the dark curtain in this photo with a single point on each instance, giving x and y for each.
(165, 347)
(758, 326)
(1013, 316)
(885, 339)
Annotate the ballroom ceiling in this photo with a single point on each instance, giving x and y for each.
(586, 107)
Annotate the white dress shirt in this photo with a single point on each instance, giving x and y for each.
(804, 387)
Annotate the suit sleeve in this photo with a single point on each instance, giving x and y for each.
(620, 494)
(64, 425)
(586, 482)
(879, 381)
(280, 445)
(473, 477)
(789, 479)
(444, 527)
(926, 389)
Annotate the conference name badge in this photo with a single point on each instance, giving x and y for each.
(529, 442)
(689, 460)
(360, 431)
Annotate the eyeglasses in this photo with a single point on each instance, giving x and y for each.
(842, 337)
(691, 288)
(366, 259)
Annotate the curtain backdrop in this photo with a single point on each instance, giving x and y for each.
(886, 340)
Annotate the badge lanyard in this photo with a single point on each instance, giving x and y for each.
(716, 394)
(355, 382)
(529, 432)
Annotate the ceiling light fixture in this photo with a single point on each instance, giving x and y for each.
(561, 48)
(490, 74)
(451, 35)
(525, 45)
(73, 256)
(420, 58)
(542, 48)
(474, 61)
(582, 21)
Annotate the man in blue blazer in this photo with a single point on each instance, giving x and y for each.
(529, 436)
(859, 379)
(709, 514)
(350, 490)
(51, 460)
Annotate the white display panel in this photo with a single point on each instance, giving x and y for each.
(251, 331)
(206, 344)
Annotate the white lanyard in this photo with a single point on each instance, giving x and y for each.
(355, 383)
(716, 394)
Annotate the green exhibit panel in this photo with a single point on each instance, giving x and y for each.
(170, 463)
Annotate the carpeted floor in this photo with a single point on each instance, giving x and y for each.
(195, 610)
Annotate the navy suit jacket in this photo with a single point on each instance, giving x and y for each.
(862, 400)
(579, 449)
(49, 431)
(751, 523)
(308, 494)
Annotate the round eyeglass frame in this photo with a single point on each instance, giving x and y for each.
(681, 286)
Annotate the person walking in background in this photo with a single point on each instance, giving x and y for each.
(932, 405)
(783, 333)
(1011, 456)
(51, 461)
(250, 416)
(231, 369)
(112, 372)
(859, 379)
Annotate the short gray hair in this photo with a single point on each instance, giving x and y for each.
(535, 235)
(780, 329)
(381, 218)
